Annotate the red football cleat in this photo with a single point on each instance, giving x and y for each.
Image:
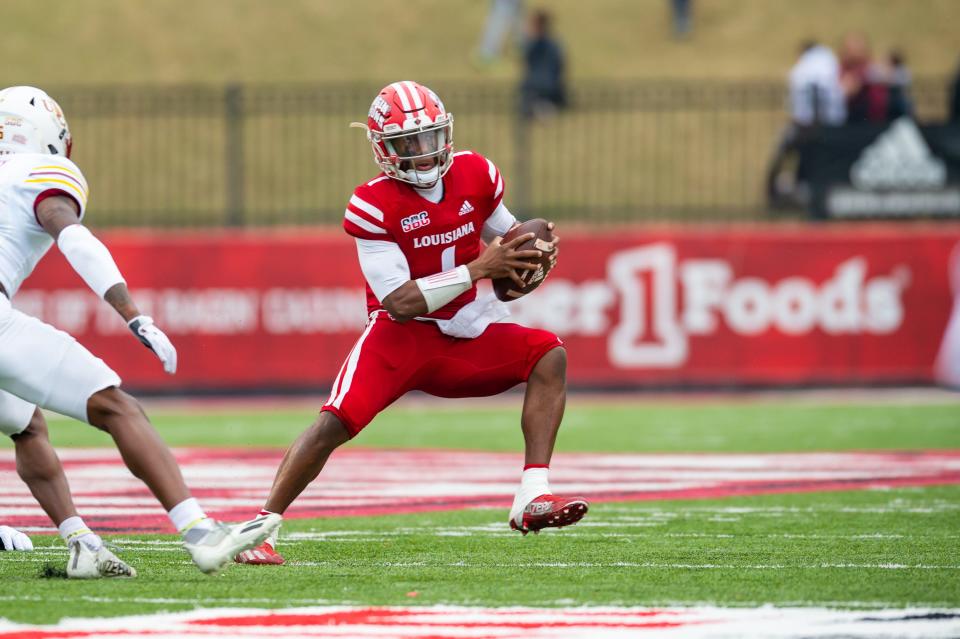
(551, 511)
(262, 555)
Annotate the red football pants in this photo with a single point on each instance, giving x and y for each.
(391, 358)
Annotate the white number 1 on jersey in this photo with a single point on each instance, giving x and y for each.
(448, 259)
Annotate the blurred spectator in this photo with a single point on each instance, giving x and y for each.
(543, 90)
(681, 18)
(955, 97)
(816, 95)
(504, 17)
(898, 79)
(863, 81)
(816, 98)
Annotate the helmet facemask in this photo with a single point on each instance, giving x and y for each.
(411, 134)
(404, 155)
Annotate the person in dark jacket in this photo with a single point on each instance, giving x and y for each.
(899, 80)
(543, 90)
(859, 76)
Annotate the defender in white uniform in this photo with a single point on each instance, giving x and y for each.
(43, 199)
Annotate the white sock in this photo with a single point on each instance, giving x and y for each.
(272, 539)
(533, 483)
(188, 515)
(73, 529)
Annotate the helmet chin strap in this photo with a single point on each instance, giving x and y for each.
(422, 179)
(431, 193)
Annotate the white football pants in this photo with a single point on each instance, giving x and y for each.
(43, 366)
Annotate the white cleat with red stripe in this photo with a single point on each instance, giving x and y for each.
(212, 549)
(262, 555)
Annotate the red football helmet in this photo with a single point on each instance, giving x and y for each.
(411, 134)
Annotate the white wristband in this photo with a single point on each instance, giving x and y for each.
(89, 258)
(440, 289)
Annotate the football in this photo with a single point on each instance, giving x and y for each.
(504, 287)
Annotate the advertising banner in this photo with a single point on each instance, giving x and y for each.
(636, 307)
(900, 169)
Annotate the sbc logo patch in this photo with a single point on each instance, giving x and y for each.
(415, 221)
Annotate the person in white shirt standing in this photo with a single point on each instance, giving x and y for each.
(816, 96)
(43, 199)
(815, 99)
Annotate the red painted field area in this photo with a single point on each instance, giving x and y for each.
(232, 484)
(453, 622)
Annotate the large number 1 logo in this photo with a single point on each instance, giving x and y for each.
(649, 333)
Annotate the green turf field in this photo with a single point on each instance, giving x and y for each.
(853, 549)
(863, 549)
(590, 427)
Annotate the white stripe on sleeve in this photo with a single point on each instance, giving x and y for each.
(366, 207)
(499, 190)
(493, 171)
(362, 223)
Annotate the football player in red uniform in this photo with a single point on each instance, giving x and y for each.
(418, 227)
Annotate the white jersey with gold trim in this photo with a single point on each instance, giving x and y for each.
(39, 364)
(25, 180)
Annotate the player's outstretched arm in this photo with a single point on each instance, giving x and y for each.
(60, 217)
(427, 294)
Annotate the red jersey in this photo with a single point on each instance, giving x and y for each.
(433, 237)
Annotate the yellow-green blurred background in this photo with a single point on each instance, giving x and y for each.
(216, 112)
(202, 41)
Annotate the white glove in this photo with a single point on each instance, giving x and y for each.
(11, 539)
(155, 339)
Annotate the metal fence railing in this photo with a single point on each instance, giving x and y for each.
(268, 155)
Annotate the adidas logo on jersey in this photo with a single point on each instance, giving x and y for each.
(466, 207)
